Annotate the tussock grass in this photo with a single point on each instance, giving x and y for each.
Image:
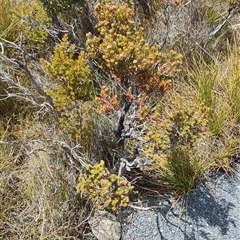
(211, 93)
(217, 87)
(184, 170)
(38, 199)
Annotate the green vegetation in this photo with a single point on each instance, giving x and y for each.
(72, 87)
(111, 99)
(106, 190)
(121, 50)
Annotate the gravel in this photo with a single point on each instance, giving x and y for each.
(211, 212)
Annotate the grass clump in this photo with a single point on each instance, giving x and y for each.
(183, 171)
(38, 199)
(216, 87)
(173, 142)
(195, 129)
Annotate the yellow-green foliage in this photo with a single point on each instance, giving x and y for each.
(56, 6)
(72, 87)
(32, 17)
(174, 134)
(183, 170)
(120, 48)
(183, 128)
(7, 25)
(104, 189)
(69, 72)
(217, 86)
(23, 21)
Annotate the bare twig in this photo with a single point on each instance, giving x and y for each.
(74, 155)
(219, 27)
(24, 67)
(143, 208)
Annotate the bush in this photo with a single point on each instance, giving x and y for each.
(72, 89)
(107, 191)
(23, 21)
(121, 50)
(183, 170)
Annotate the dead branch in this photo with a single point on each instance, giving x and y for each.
(24, 67)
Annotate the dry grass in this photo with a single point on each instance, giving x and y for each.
(37, 183)
(211, 93)
(38, 198)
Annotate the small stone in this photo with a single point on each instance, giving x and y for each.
(105, 226)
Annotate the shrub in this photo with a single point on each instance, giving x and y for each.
(33, 23)
(23, 21)
(172, 143)
(56, 6)
(121, 50)
(110, 102)
(72, 89)
(104, 189)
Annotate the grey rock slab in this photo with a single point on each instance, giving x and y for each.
(105, 226)
(211, 212)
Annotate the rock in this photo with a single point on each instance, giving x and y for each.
(105, 226)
